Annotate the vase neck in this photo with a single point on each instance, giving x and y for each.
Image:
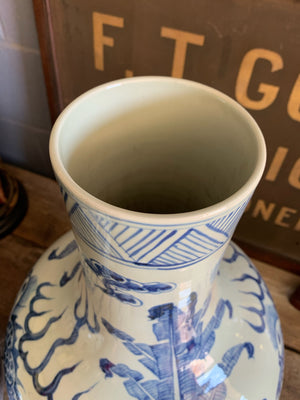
(134, 264)
(112, 285)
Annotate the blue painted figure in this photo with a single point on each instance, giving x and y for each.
(183, 338)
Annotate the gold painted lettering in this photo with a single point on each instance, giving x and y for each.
(128, 73)
(276, 164)
(245, 74)
(248, 206)
(182, 38)
(294, 177)
(293, 106)
(284, 214)
(262, 208)
(99, 39)
(297, 226)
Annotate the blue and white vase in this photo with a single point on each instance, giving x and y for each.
(147, 298)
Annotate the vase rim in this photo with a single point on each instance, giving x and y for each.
(189, 217)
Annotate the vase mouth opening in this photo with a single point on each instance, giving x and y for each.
(157, 149)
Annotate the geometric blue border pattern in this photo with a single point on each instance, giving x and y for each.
(149, 246)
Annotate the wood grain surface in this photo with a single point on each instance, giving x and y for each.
(46, 220)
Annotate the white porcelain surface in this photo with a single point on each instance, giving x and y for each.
(156, 303)
(57, 337)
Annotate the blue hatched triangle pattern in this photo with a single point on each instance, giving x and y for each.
(152, 246)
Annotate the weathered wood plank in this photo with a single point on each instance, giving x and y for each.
(291, 382)
(46, 218)
(282, 285)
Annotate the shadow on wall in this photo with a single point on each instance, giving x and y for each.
(24, 115)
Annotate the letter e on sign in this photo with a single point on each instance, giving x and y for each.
(99, 39)
(283, 216)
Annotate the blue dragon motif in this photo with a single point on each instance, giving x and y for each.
(69, 248)
(11, 352)
(37, 291)
(29, 336)
(254, 276)
(265, 312)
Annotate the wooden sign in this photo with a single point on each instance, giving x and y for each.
(247, 49)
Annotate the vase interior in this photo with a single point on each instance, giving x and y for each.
(158, 147)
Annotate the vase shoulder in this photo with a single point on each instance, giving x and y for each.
(138, 343)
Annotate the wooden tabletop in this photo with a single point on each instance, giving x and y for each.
(46, 220)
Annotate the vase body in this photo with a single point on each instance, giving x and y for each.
(142, 308)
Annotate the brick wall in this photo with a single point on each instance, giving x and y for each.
(24, 114)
